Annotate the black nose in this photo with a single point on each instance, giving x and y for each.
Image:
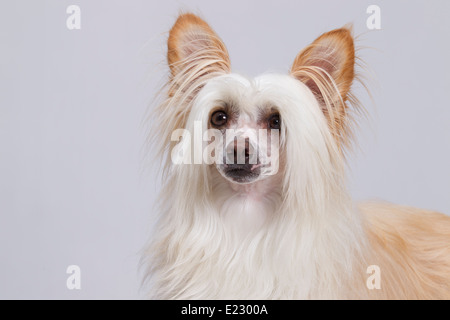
(241, 152)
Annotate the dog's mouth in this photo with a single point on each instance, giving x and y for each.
(242, 173)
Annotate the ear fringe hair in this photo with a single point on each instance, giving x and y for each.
(180, 91)
(341, 114)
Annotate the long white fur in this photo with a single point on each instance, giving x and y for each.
(293, 235)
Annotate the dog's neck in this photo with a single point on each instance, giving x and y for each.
(305, 236)
(257, 191)
(245, 208)
(246, 240)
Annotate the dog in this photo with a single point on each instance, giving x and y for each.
(283, 226)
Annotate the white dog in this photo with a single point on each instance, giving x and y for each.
(279, 227)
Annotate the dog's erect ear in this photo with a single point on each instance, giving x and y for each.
(332, 53)
(327, 67)
(194, 47)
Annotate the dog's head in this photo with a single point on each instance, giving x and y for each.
(249, 129)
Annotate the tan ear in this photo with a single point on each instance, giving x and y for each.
(327, 67)
(334, 53)
(193, 44)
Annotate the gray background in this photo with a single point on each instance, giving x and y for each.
(73, 189)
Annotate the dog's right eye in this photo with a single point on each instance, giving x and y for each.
(219, 118)
(274, 121)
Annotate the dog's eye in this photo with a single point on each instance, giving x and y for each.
(219, 118)
(274, 121)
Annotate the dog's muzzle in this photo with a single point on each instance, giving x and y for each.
(241, 162)
(242, 173)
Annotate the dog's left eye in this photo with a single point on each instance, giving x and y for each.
(274, 121)
(219, 118)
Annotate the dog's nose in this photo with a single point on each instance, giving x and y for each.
(241, 151)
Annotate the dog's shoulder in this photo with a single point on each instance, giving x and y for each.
(412, 246)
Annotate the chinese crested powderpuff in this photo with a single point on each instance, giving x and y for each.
(254, 203)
